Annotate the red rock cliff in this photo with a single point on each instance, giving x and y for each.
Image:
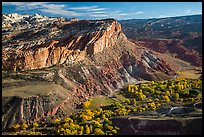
(68, 48)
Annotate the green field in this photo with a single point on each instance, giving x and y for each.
(99, 101)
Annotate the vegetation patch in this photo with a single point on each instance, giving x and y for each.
(100, 101)
(192, 73)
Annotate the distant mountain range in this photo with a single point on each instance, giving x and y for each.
(186, 31)
(163, 28)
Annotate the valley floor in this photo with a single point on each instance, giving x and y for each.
(135, 109)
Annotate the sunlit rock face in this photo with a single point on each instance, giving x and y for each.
(62, 42)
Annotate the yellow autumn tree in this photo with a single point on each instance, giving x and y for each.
(24, 126)
(167, 93)
(87, 129)
(86, 104)
(98, 131)
(166, 98)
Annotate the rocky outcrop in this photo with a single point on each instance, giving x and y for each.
(36, 58)
(69, 48)
(159, 126)
(18, 110)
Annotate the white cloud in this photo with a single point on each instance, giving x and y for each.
(122, 14)
(99, 12)
(53, 6)
(190, 12)
(98, 9)
(139, 12)
(129, 13)
(25, 5)
(83, 8)
(114, 14)
(58, 10)
(88, 8)
(98, 15)
(63, 10)
(22, 3)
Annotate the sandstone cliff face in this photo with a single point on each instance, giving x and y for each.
(41, 57)
(106, 39)
(69, 48)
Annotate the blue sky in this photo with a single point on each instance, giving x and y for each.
(101, 10)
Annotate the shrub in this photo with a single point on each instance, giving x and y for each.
(142, 96)
(35, 124)
(180, 99)
(16, 127)
(110, 128)
(57, 120)
(167, 93)
(176, 96)
(87, 129)
(114, 131)
(66, 125)
(157, 92)
(127, 101)
(98, 131)
(31, 133)
(86, 104)
(199, 96)
(68, 119)
(133, 101)
(156, 100)
(191, 99)
(130, 87)
(150, 100)
(152, 105)
(24, 126)
(96, 123)
(166, 98)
